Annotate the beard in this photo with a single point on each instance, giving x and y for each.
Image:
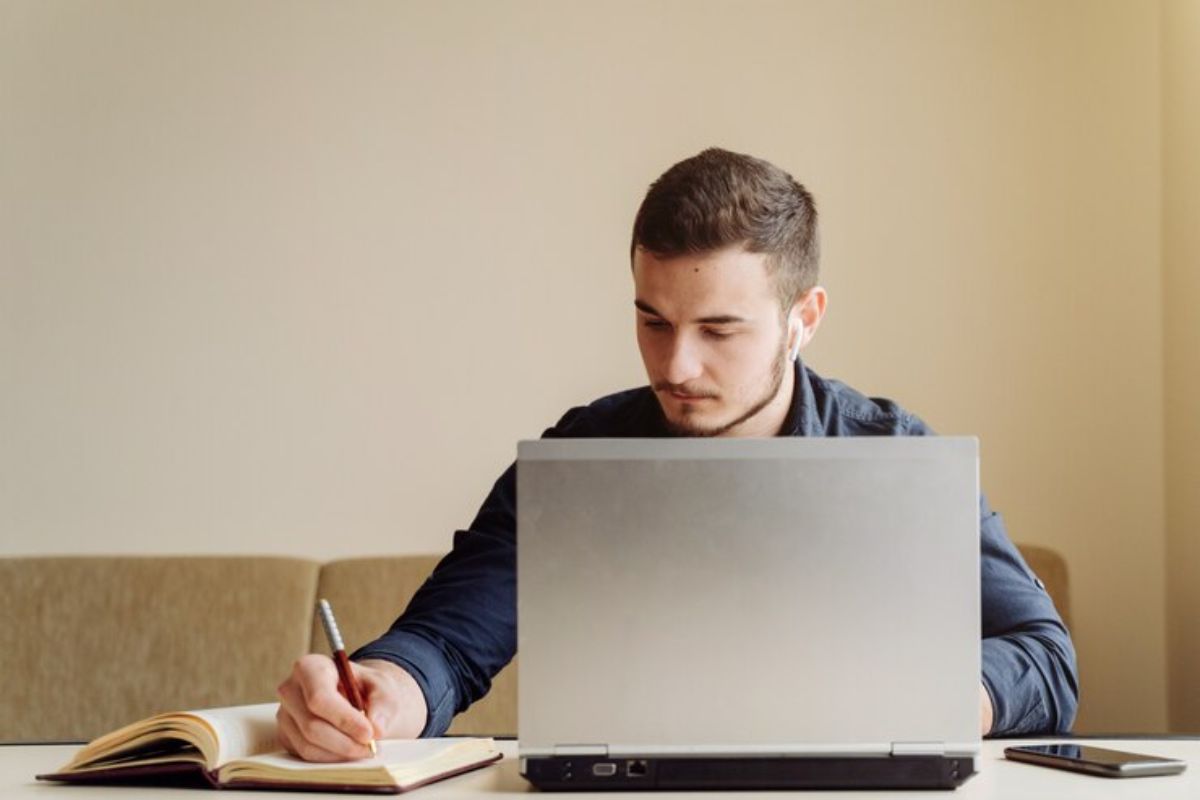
(685, 427)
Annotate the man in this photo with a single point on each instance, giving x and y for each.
(724, 259)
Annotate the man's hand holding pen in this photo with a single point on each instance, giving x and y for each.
(335, 712)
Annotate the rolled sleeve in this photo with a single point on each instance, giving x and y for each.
(424, 661)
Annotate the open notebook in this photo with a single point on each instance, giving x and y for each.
(235, 747)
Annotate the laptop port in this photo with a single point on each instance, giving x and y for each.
(635, 769)
(604, 769)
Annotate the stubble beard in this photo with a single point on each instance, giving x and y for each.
(684, 428)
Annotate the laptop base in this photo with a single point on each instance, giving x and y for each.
(697, 773)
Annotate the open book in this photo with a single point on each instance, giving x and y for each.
(236, 748)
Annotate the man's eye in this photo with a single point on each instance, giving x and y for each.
(714, 334)
(656, 324)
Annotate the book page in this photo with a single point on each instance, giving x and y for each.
(241, 731)
(400, 762)
(177, 733)
(208, 737)
(149, 748)
(392, 753)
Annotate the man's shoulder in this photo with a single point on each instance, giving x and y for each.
(845, 411)
(631, 413)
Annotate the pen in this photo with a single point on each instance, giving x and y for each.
(349, 684)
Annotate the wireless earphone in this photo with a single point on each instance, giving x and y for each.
(798, 332)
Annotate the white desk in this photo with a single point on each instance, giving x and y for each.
(997, 778)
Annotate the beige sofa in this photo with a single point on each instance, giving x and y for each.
(91, 643)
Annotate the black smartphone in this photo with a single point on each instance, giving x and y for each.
(1095, 760)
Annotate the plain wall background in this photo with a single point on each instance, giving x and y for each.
(284, 277)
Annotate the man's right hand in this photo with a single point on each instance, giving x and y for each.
(317, 723)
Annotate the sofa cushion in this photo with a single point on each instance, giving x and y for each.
(92, 643)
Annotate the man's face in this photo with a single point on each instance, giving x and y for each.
(714, 341)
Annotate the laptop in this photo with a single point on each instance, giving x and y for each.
(779, 613)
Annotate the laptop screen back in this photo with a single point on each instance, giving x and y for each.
(748, 596)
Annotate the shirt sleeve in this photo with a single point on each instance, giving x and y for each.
(1029, 668)
(460, 628)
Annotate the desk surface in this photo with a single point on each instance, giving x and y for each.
(997, 778)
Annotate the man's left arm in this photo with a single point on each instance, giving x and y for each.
(1029, 671)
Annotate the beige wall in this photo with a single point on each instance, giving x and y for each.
(293, 277)
(1181, 259)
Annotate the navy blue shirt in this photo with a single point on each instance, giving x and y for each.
(461, 627)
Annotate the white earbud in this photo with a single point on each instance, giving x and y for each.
(798, 334)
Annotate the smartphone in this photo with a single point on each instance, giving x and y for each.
(1095, 760)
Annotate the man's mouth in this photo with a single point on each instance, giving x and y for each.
(680, 395)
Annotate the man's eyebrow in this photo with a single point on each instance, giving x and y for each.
(719, 319)
(722, 319)
(646, 308)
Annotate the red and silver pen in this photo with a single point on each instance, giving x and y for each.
(349, 684)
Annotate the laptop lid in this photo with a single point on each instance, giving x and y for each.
(748, 596)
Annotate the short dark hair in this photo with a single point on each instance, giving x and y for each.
(717, 199)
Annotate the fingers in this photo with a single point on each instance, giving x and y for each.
(295, 742)
(319, 686)
(315, 721)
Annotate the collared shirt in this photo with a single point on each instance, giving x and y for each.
(460, 628)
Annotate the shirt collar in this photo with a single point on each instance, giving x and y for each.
(802, 418)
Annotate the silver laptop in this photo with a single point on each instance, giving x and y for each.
(748, 613)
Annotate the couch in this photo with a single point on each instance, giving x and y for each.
(90, 643)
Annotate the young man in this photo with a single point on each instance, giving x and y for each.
(725, 261)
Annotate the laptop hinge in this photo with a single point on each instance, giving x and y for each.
(581, 750)
(918, 748)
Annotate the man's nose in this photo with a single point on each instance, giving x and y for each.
(683, 362)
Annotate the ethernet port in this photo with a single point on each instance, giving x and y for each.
(636, 769)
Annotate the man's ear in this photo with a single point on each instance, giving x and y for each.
(804, 319)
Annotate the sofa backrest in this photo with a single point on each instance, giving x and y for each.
(92, 643)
